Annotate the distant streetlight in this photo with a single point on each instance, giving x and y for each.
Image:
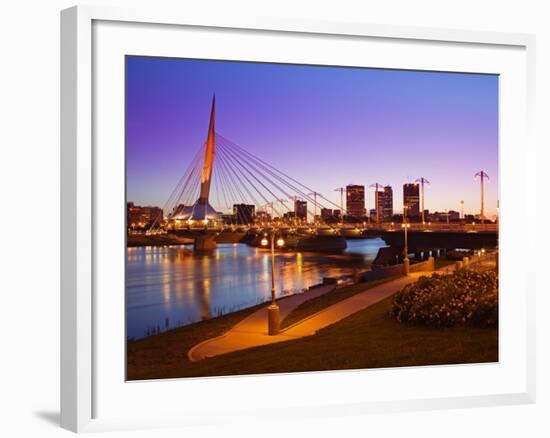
(273, 318)
(341, 190)
(376, 186)
(482, 177)
(405, 226)
(314, 205)
(283, 206)
(422, 181)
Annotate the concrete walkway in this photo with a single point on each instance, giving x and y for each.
(252, 331)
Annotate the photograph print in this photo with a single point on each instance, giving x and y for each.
(288, 218)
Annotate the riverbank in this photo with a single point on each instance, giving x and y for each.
(171, 286)
(366, 339)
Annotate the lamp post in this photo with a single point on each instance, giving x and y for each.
(405, 225)
(482, 178)
(341, 190)
(422, 181)
(376, 186)
(314, 206)
(273, 318)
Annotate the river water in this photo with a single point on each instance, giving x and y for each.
(170, 286)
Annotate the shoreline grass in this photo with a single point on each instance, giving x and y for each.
(317, 304)
(159, 356)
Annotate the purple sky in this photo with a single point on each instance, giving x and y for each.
(325, 126)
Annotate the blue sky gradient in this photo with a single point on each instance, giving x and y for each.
(325, 126)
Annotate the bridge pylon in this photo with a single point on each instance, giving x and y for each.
(204, 243)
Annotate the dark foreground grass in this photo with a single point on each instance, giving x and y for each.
(165, 355)
(367, 339)
(315, 305)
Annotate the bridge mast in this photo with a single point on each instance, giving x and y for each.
(206, 176)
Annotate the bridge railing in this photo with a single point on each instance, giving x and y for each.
(337, 229)
(437, 227)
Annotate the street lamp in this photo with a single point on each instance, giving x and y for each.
(422, 181)
(405, 226)
(482, 177)
(376, 186)
(273, 318)
(314, 206)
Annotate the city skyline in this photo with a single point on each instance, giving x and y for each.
(325, 126)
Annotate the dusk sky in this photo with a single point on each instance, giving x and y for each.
(324, 126)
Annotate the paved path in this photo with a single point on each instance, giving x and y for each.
(252, 331)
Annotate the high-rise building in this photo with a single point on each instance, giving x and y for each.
(244, 213)
(385, 203)
(355, 201)
(300, 209)
(411, 199)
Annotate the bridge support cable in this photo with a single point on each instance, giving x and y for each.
(264, 163)
(255, 177)
(215, 180)
(189, 192)
(221, 183)
(239, 165)
(263, 170)
(259, 181)
(239, 177)
(225, 184)
(235, 194)
(189, 177)
(253, 186)
(236, 187)
(248, 165)
(183, 183)
(294, 189)
(241, 182)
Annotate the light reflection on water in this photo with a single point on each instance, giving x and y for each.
(171, 286)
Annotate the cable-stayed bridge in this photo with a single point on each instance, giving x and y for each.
(225, 187)
(225, 181)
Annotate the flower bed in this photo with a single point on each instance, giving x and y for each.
(466, 297)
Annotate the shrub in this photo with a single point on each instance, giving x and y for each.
(466, 297)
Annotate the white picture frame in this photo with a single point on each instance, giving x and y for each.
(80, 167)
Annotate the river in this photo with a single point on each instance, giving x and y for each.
(169, 286)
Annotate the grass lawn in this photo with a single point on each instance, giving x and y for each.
(315, 305)
(165, 355)
(367, 339)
